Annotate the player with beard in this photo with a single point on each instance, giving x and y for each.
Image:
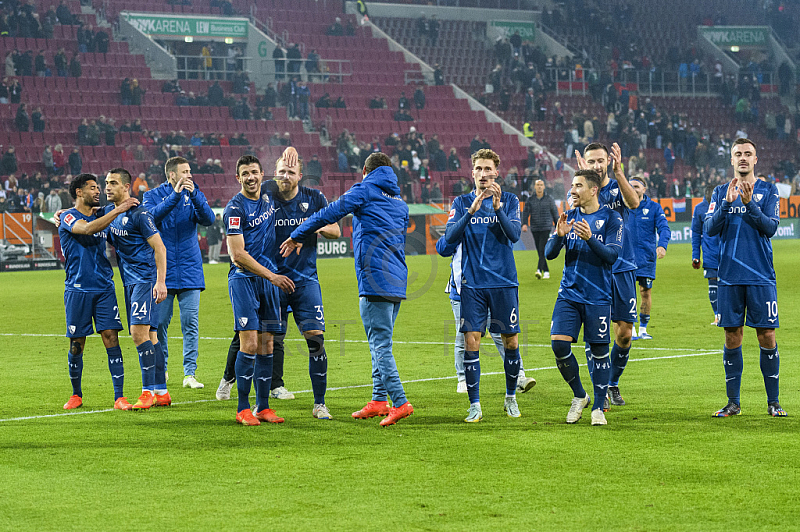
(618, 195)
(745, 213)
(89, 292)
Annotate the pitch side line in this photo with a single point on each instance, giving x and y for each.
(352, 387)
(401, 342)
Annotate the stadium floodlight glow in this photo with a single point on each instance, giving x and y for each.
(734, 48)
(188, 38)
(228, 40)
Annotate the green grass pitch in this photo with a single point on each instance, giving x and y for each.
(662, 463)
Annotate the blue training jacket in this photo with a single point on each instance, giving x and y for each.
(177, 216)
(702, 242)
(648, 218)
(380, 222)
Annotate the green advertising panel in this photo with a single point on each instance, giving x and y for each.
(736, 35)
(171, 25)
(527, 30)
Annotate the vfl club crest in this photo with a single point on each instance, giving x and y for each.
(242, 322)
(124, 220)
(645, 211)
(72, 329)
(599, 223)
(758, 197)
(304, 206)
(614, 191)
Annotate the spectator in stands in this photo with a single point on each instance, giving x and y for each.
(342, 163)
(207, 168)
(125, 94)
(475, 144)
(15, 91)
(93, 134)
(217, 167)
(59, 159)
(4, 91)
(40, 64)
(63, 13)
(241, 111)
(280, 62)
(75, 68)
(303, 97)
(438, 76)
(313, 169)
(286, 140)
(22, 121)
(216, 97)
(240, 82)
(60, 62)
(37, 119)
(47, 160)
(182, 99)
(75, 162)
(157, 169)
(294, 58)
(137, 92)
(52, 202)
(669, 158)
(85, 39)
(402, 102)
(336, 29)
(419, 98)
(11, 69)
(312, 65)
(403, 115)
(140, 154)
(101, 41)
(340, 103)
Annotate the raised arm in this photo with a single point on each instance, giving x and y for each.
(629, 195)
(82, 227)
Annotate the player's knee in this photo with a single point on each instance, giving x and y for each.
(599, 351)
(75, 347)
(316, 344)
(561, 348)
(110, 338)
(510, 341)
(766, 338)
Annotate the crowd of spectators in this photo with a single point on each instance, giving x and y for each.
(21, 19)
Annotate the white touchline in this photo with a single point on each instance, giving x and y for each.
(83, 412)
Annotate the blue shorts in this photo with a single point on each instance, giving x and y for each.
(623, 296)
(645, 282)
(710, 273)
(503, 303)
(760, 303)
(256, 305)
(305, 303)
(139, 303)
(568, 316)
(82, 307)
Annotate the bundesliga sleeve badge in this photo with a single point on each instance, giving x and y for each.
(69, 219)
(234, 222)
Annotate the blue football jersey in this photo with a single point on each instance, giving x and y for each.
(703, 243)
(289, 215)
(587, 278)
(128, 233)
(745, 249)
(255, 220)
(87, 267)
(487, 253)
(611, 196)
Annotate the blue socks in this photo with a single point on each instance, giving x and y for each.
(770, 363)
(733, 362)
(511, 364)
(160, 370)
(147, 361)
(712, 295)
(472, 372)
(244, 374)
(619, 359)
(568, 366)
(117, 370)
(75, 372)
(263, 380)
(644, 319)
(318, 367)
(601, 373)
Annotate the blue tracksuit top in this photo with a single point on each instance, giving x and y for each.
(177, 216)
(380, 222)
(647, 220)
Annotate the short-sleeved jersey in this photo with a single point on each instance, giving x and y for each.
(487, 253)
(611, 196)
(128, 233)
(745, 252)
(289, 215)
(587, 278)
(255, 221)
(87, 267)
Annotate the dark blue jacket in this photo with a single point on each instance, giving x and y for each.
(380, 222)
(177, 216)
(647, 220)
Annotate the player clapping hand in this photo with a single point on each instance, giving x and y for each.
(563, 227)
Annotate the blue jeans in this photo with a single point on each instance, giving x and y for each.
(460, 346)
(189, 304)
(378, 318)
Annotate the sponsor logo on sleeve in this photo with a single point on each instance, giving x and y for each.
(234, 222)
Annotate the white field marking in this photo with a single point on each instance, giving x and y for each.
(336, 340)
(430, 379)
